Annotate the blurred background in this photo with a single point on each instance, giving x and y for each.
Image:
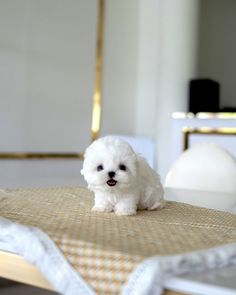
(151, 51)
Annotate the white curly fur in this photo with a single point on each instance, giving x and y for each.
(121, 180)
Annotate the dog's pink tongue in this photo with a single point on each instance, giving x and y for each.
(111, 182)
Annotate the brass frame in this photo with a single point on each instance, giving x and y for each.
(96, 109)
(187, 131)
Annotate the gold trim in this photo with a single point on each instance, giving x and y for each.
(96, 114)
(96, 109)
(37, 155)
(187, 131)
(203, 115)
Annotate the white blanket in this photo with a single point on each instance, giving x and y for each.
(37, 248)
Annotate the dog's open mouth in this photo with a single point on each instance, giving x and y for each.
(111, 182)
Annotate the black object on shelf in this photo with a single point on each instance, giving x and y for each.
(204, 96)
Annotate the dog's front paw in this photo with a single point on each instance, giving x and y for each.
(125, 211)
(106, 208)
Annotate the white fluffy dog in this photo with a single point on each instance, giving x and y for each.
(121, 180)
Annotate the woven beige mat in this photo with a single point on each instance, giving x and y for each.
(105, 248)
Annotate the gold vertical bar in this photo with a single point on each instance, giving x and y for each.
(96, 113)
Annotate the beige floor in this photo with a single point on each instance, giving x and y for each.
(12, 288)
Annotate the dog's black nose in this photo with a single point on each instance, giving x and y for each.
(111, 174)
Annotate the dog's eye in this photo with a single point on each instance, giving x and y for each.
(122, 167)
(99, 168)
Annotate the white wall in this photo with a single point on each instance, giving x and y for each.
(178, 39)
(148, 70)
(217, 58)
(47, 60)
(120, 66)
(150, 54)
